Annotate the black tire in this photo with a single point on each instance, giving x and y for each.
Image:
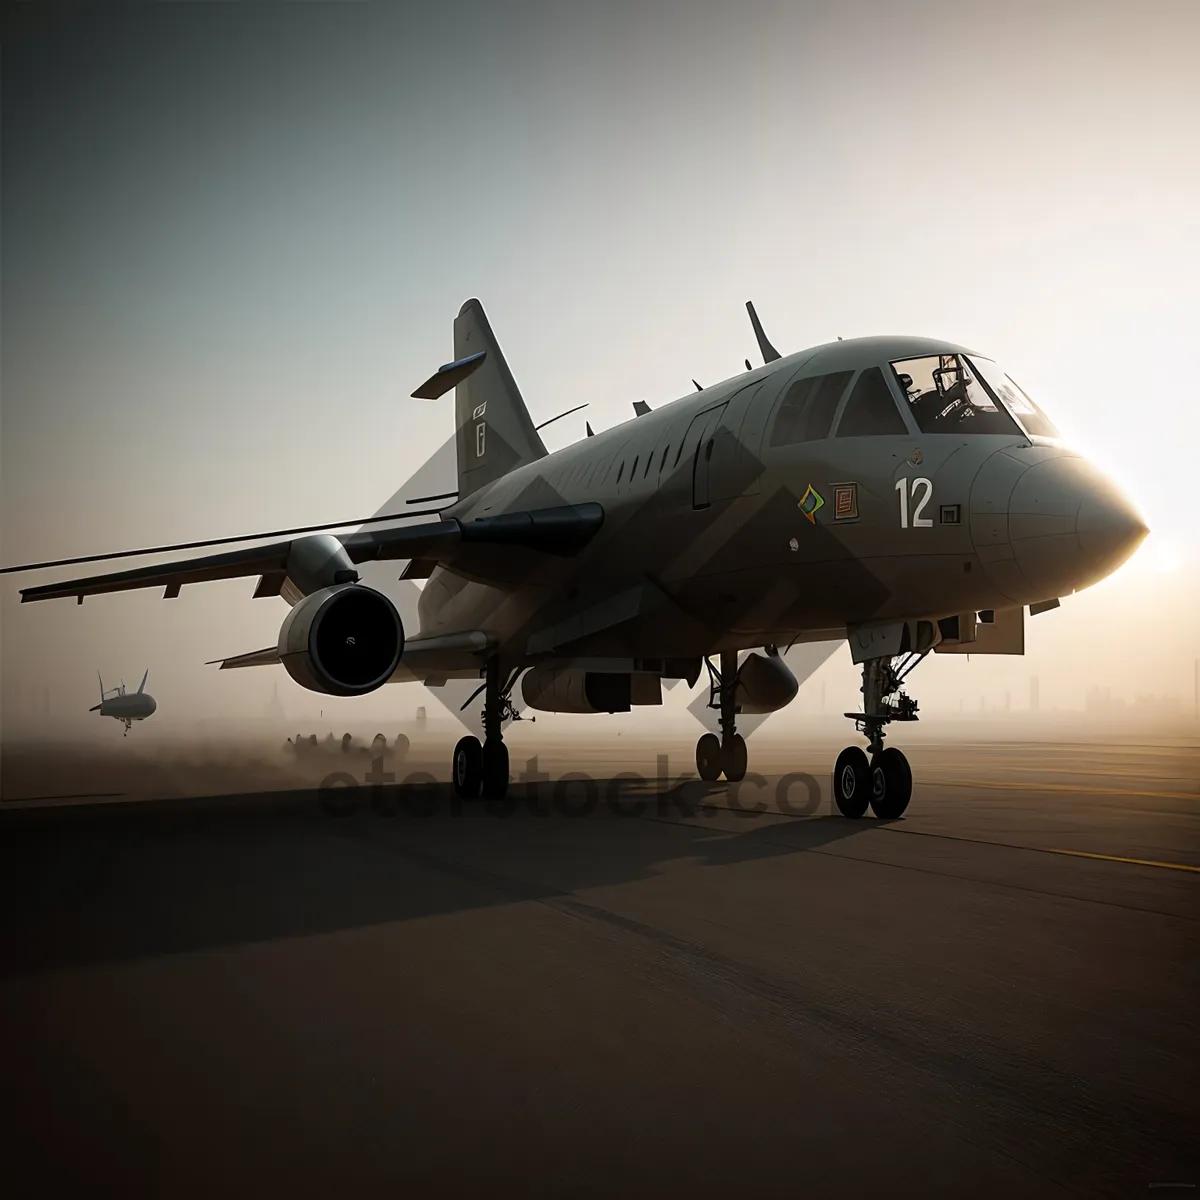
(891, 784)
(468, 768)
(495, 769)
(852, 782)
(709, 759)
(736, 757)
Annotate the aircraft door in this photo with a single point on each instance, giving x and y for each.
(705, 425)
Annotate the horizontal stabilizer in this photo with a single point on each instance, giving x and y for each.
(451, 375)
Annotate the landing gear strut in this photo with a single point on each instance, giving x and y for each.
(484, 768)
(884, 781)
(725, 754)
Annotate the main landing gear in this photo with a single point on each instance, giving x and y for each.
(725, 754)
(884, 781)
(484, 768)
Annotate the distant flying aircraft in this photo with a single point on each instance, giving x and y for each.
(899, 493)
(117, 703)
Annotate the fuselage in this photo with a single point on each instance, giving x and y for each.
(877, 478)
(134, 706)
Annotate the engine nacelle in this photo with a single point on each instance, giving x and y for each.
(765, 684)
(343, 641)
(573, 690)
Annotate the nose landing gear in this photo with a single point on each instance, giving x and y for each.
(884, 781)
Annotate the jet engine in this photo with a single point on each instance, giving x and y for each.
(342, 641)
(765, 683)
(574, 690)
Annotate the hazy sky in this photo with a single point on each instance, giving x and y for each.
(235, 238)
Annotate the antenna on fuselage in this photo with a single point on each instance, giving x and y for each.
(698, 387)
(560, 416)
(748, 366)
(588, 426)
(769, 353)
(640, 408)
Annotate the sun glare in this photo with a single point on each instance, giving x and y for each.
(1155, 556)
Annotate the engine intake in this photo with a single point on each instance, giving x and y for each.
(342, 641)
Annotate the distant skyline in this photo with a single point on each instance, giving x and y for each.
(235, 238)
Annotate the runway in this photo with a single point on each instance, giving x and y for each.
(996, 995)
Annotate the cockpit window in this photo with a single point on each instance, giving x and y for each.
(807, 409)
(946, 396)
(1030, 417)
(871, 409)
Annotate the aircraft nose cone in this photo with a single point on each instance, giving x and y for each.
(1110, 529)
(152, 704)
(1070, 526)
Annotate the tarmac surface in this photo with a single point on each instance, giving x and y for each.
(994, 996)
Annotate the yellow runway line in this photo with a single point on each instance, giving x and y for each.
(1137, 862)
(950, 837)
(1014, 785)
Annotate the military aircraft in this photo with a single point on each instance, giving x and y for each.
(116, 703)
(901, 493)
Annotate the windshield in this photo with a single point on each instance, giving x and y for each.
(945, 396)
(1032, 419)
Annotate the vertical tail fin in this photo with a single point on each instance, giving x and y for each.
(142, 685)
(495, 431)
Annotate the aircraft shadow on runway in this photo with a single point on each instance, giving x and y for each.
(113, 882)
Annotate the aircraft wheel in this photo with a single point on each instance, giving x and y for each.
(468, 768)
(708, 757)
(852, 782)
(736, 758)
(402, 744)
(495, 769)
(891, 784)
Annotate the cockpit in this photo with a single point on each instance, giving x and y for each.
(957, 393)
(882, 387)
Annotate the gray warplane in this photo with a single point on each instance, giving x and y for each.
(901, 493)
(127, 708)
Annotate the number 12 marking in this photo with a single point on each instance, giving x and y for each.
(918, 521)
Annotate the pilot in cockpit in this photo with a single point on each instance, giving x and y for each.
(946, 398)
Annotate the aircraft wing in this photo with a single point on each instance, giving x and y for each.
(436, 654)
(267, 657)
(559, 531)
